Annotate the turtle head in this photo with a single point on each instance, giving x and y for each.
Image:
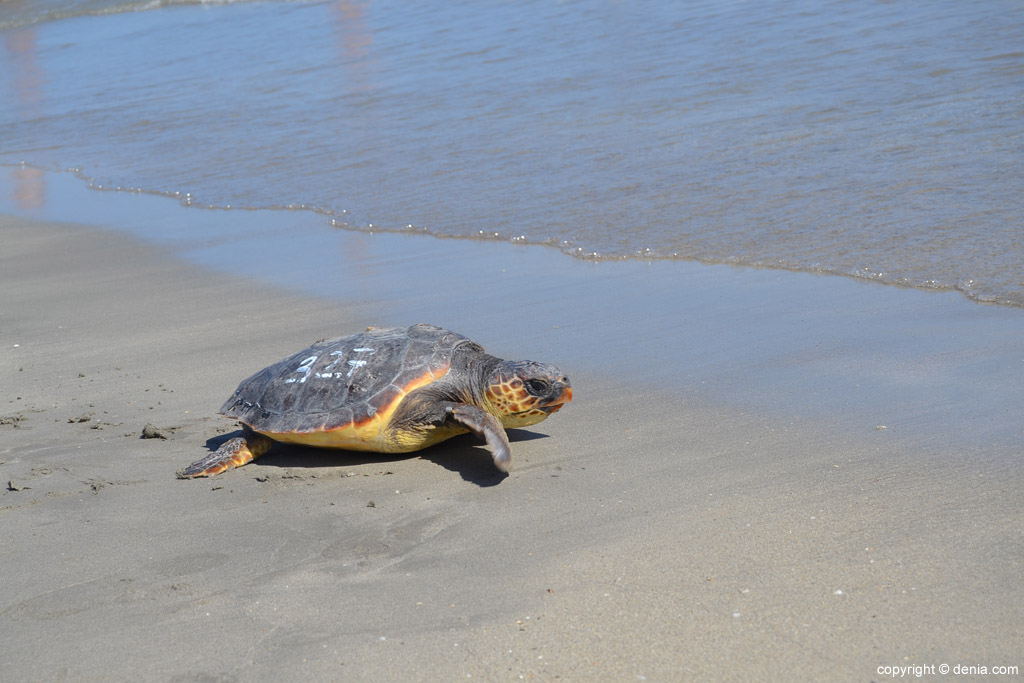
(522, 393)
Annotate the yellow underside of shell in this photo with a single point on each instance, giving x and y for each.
(372, 434)
(368, 436)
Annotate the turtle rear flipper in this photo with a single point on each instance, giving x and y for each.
(488, 428)
(232, 453)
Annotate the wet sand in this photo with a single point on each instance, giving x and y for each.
(760, 479)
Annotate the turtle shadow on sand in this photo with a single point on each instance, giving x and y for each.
(467, 456)
(464, 455)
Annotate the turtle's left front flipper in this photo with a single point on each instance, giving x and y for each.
(487, 427)
(232, 453)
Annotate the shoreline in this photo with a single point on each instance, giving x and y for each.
(47, 194)
(718, 502)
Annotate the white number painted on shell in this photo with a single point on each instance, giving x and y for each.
(355, 364)
(326, 372)
(303, 369)
(306, 366)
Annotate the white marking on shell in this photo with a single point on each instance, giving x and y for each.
(326, 372)
(356, 364)
(304, 368)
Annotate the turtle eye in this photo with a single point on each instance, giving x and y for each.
(537, 387)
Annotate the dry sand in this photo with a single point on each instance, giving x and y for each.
(666, 526)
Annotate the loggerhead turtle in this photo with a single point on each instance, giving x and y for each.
(393, 390)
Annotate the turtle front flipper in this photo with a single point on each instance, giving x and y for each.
(487, 427)
(232, 453)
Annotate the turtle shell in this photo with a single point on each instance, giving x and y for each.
(341, 392)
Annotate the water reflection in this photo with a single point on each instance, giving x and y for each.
(26, 80)
(28, 189)
(354, 37)
(26, 76)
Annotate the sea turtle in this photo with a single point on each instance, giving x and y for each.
(392, 390)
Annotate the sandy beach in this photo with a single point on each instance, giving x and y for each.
(834, 503)
(776, 249)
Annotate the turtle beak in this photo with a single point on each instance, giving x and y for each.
(561, 393)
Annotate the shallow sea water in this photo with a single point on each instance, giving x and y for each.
(870, 139)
